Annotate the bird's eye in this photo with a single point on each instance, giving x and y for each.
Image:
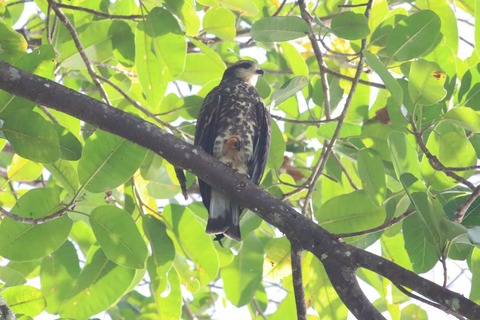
(245, 65)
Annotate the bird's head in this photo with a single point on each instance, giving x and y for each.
(244, 70)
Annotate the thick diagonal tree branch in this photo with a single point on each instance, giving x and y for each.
(340, 259)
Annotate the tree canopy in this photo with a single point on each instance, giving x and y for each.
(375, 141)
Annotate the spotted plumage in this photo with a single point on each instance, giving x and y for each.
(234, 126)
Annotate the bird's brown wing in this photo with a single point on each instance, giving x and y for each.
(205, 133)
(261, 145)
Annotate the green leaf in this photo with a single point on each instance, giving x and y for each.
(464, 117)
(25, 300)
(350, 25)
(247, 7)
(169, 306)
(70, 146)
(277, 264)
(168, 43)
(19, 241)
(413, 35)
(96, 40)
(13, 44)
(185, 11)
(190, 234)
(372, 174)
(123, 42)
(65, 174)
(24, 170)
(31, 136)
(58, 274)
(277, 147)
(474, 266)
(403, 154)
(11, 278)
(163, 250)
(327, 130)
(414, 312)
(118, 236)
(100, 284)
(452, 149)
(200, 69)
(350, 213)
(426, 82)
(288, 89)
(278, 29)
(423, 254)
(220, 22)
(243, 276)
(392, 85)
(295, 59)
(108, 161)
(469, 92)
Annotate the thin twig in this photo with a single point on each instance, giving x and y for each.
(340, 164)
(280, 8)
(259, 309)
(36, 221)
(384, 226)
(430, 303)
(318, 55)
(80, 49)
(324, 45)
(433, 160)
(322, 161)
(99, 13)
(306, 122)
(462, 209)
(143, 109)
(119, 70)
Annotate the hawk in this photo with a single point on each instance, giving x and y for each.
(233, 126)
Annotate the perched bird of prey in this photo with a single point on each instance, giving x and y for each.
(234, 126)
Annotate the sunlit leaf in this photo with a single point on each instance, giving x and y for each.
(277, 29)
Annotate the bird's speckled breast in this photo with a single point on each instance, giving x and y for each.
(238, 117)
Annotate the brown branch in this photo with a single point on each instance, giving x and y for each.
(297, 279)
(63, 18)
(143, 109)
(384, 226)
(306, 122)
(99, 13)
(36, 221)
(318, 55)
(462, 209)
(280, 8)
(320, 166)
(433, 160)
(5, 311)
(119, 70)
(339, 259)
(340, 164)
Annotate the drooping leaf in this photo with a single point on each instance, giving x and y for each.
(108, 161)
(464, 117)
(413, 35)
(372, 174)
(195, 243)
(242, 277)
(220, 22)
(288, 89)
(19, 241)
(58, 274)
(426, 82)
(118, 236)
(31, 136)
(277, 29)
(25, 300)
(277, 264)
(100, 284)
(350, 25)
(277, 147)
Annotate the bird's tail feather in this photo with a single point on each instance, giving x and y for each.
(223, 216)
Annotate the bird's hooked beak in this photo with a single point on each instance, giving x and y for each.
(260, 72)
